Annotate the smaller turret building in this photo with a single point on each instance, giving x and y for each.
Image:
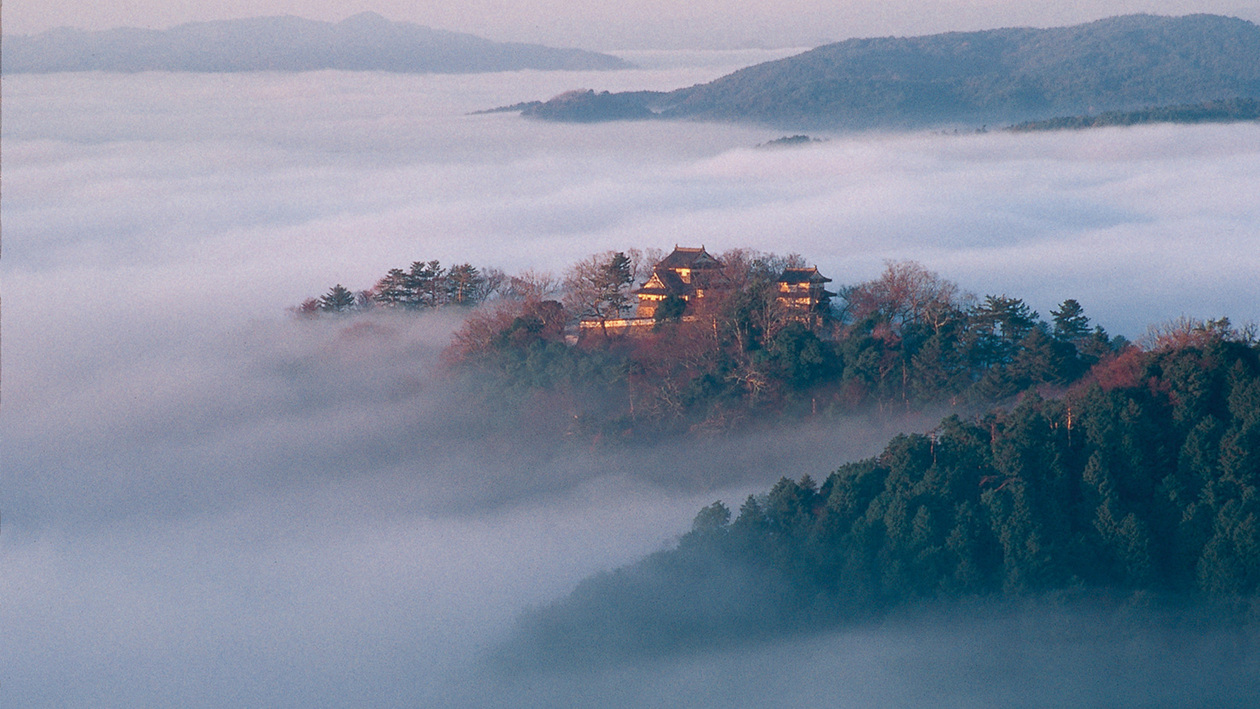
(803, 292)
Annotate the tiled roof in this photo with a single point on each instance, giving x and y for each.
(665, 282)
(803, 275)
(685, 257)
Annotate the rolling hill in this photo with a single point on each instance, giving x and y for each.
(364, 42)
(992, 76)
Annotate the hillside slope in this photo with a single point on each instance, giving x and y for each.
(363, 42)
(992, 76)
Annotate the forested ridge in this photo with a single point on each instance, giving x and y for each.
(990, 77)
(897, 344)
(1228, 111)
(1076, 462)
(1142, 479)
(900, 343)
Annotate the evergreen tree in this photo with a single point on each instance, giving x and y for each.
(427, 284)
(394, 290)
(338, 299)
(464, 285)
(1070, 323)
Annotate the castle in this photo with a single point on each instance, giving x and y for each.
(690, 275)
(686, 273)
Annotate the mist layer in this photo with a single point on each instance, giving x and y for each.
(207, 502)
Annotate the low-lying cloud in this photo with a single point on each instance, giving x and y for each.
(1087, 652)
(207, 501)
(308, 512)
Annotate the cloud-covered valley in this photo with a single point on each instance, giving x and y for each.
(206, 501)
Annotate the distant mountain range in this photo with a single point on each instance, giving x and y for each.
(994, 76)
(364, 42)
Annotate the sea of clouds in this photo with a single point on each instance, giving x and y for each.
(205, 501)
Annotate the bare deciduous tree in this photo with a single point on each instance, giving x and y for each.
(599, 287)
(906, 294)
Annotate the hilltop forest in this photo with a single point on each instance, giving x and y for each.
(896, 344)
(1076, 462)
(1143, 482)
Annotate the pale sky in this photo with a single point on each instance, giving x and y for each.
(630, 24)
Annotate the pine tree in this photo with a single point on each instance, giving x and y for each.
(1070, 322)
(338, 299)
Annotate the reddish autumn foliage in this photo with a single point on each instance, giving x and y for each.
(1122, 371)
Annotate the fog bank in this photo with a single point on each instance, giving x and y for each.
(1046, 653)
(339, 177)
(207, 501)
(303, 513)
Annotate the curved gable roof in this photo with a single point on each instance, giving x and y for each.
(686, 257)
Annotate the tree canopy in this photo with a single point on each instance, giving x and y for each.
(905, 340)
(1141, 482)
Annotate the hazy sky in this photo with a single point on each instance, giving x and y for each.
(597, 24)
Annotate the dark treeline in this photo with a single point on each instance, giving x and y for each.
(1224, 111)
(1145, 478)
(903, 341)
(426, 284)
